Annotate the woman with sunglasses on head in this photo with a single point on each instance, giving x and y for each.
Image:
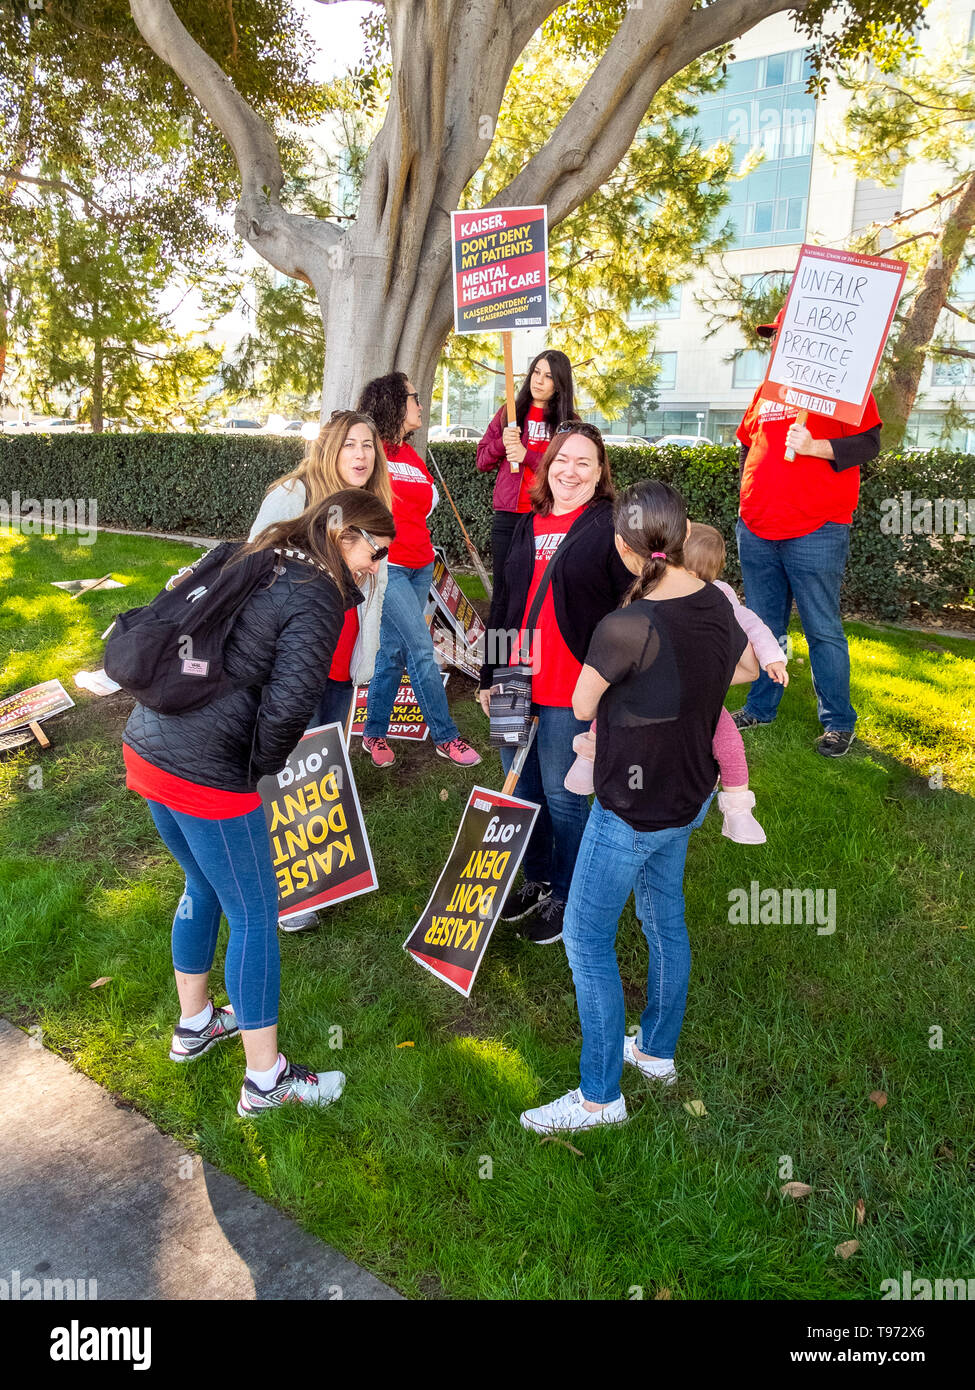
(348, 453)
(393, 402)
(655, 676)
(546, 397)
(572, 501)
(199, 773)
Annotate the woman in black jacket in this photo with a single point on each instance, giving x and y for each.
(572, 502)
(199, 773)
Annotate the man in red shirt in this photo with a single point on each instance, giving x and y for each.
(793, 541)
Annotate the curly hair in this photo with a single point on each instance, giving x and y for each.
(385, 398)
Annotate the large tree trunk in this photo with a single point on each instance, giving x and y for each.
(895, 397)
(384, 283)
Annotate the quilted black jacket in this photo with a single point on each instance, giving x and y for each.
(282, 643)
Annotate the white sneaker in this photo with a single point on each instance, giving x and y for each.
(568, 1112)
(661, 1070)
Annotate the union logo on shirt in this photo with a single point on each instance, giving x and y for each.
(537, 432)
(407, 472)
(775, 410)
(546, 546)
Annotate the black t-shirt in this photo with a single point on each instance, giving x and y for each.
(669, 663)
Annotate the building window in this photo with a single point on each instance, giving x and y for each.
(667, 378)
(954, 371)
(748, 368)
(651, 313)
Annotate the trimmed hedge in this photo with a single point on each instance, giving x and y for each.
(212, 485)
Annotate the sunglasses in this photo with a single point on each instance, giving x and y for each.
(379, 552)
(580, 427)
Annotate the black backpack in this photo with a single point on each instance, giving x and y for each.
(169, 654)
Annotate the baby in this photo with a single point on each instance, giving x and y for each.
(704, 556)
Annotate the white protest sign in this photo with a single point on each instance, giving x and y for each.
(835, 324)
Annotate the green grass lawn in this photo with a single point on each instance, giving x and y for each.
(421, 1172)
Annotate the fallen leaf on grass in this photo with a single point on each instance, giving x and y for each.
(664, 1293)
(847, 1248)
(444, 794)
(879, 1098)
(102, 980)
(861, 1211)
(944, 1151)
(406, 1044)
(795, 1189)
(695, 1107)
(551, 1139)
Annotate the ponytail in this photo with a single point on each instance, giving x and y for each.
(652, 518)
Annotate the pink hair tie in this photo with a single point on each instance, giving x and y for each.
(658, 555)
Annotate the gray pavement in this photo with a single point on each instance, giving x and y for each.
(93, 1191)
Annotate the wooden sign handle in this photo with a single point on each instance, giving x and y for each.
(511, 781)
(88, 587)
(509, 387)
(801, 418)
(39, 734)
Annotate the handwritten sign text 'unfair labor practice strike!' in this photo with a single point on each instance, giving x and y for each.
(837, 316)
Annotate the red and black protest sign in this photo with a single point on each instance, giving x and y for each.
(406, 718)
(500, 258)
(455, 927)
(319, 847)
(35, 703)
(449, 599)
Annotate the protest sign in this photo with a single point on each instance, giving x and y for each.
(500, 258)
(319, 847)
(837, 316)
(451, 650)
(448, 597)
(34, 704)
(81, 586)
(453, 930)
(406, 718)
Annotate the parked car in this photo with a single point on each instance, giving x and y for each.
(232, 425)
(440, 432)
(627, 441)
(680, 441)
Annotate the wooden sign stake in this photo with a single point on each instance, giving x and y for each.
(509, 386)
(511, 781)
(801, 418)
(39, 734)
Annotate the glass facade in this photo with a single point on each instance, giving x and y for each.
(764, 105)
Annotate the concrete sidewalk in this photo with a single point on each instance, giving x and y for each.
(92, 1191)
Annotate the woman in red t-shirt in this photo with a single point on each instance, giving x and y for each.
(546, 398)
(572, 500)
(404, 638)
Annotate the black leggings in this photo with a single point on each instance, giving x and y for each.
(501, 533)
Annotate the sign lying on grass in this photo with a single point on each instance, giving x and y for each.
(837, 316)
(500, 258)
(319, 847)
(455, 927)
(34, 704)
(451, 650)
(406, 718)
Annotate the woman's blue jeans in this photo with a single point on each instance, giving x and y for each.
(404, 640)
(550, 855)
(614, 861)
(810, 570)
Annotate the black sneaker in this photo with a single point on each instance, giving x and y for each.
(527, 898)
(835, 742)
(742, 720)
(546, 924)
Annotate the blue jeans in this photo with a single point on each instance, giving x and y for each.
(551, 852)
(404, 640)
(615, 860)
(333, 705)
(227, 864)
(810, 570)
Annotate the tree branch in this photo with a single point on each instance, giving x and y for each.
(298, 246)
(959, 312)
(653, 42)
(62, 185)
